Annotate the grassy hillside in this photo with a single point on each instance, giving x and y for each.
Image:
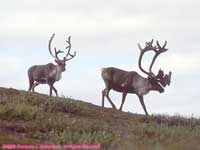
(27, 118)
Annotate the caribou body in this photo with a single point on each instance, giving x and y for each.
(49, 73)
(131, 82)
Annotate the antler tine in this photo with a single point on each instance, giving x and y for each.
(161, 49)
(169, 78)
(72, 56)
(165, 80)
(57, 52)
(148, 46)
(151, 42)
(164, 45)
(69, 49)
(140, 47)
(69, 46)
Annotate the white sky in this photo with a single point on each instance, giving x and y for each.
(104, 33)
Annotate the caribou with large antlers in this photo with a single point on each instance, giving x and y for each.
(50, 73)
(131, 82)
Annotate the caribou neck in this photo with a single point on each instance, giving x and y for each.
(58, 72)
(142, 86)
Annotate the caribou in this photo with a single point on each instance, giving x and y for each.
(131, 82)
(50, 73)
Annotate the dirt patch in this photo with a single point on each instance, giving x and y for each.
(14, 128)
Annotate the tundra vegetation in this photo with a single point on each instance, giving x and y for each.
(31, 118)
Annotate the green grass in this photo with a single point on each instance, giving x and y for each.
(28, 118)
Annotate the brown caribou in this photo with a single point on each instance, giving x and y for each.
(50, 73)
(131, 82)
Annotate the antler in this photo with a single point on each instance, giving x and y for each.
(164, 79)
(157, 51)
(69, 48)
(55, 50)
(148, 47)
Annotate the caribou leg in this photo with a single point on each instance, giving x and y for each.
(123, 100)
(103, 97)
(105, 92)
(34, 85)
(50, 90)
(55, 90)
(31, 82)
(113, 105)
(143, 105)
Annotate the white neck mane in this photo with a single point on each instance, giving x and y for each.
(58, 73)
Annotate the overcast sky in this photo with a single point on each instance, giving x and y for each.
(105, 33)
